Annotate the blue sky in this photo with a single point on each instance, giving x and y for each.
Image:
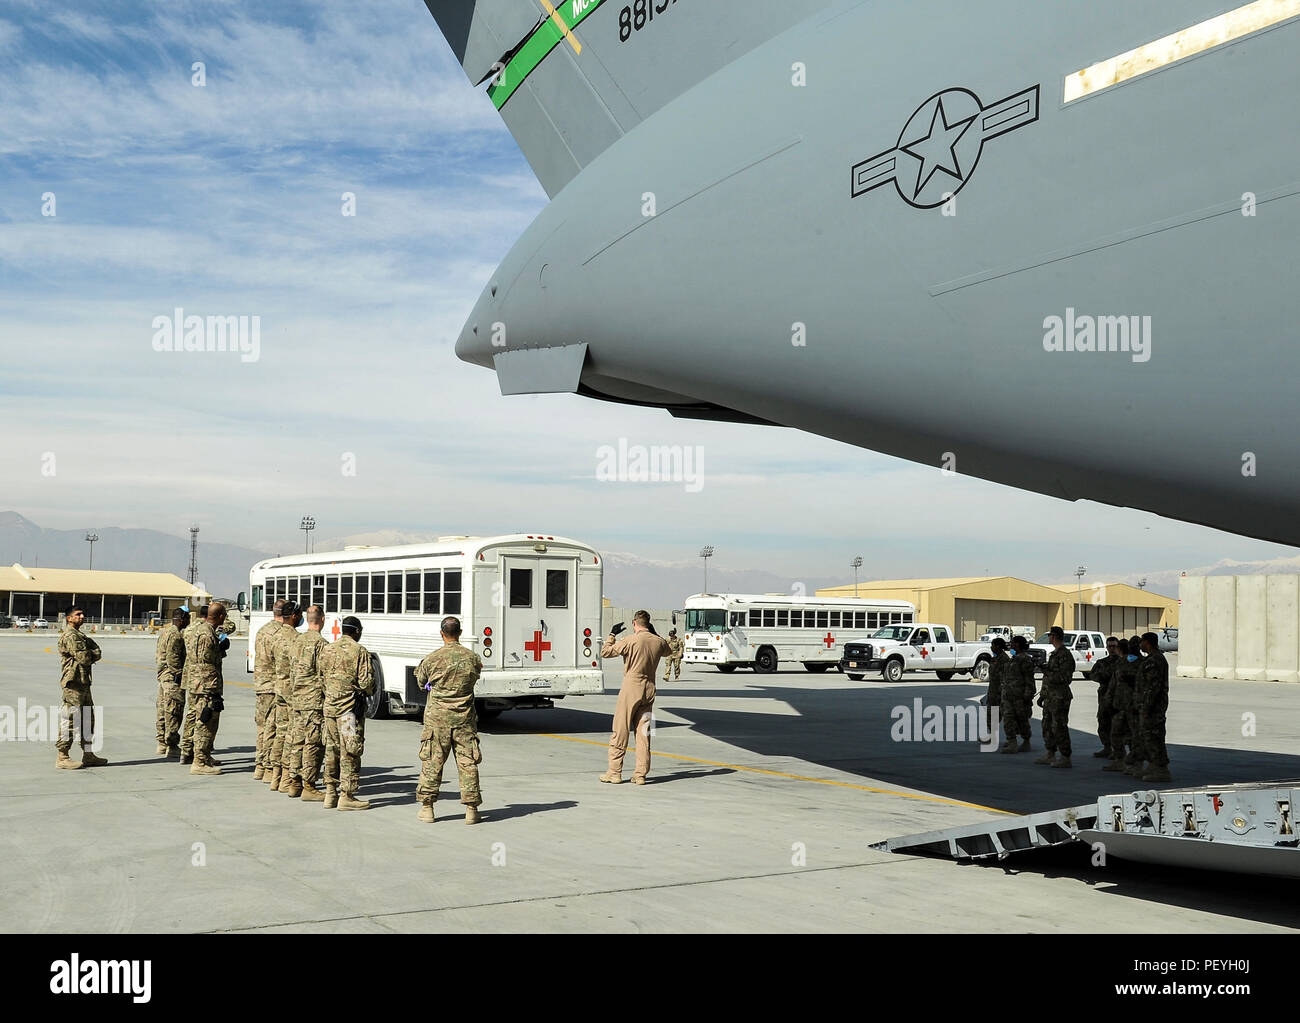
(226, 199)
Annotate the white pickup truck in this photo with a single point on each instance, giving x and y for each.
(921, 646)
(1088, 648)
(1008, 632)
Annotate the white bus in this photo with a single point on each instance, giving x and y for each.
(529, 606)
(747, 630)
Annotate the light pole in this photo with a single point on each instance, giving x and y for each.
(92, 539)
(706, 553)
(1142, 583)
(1079, 573)
(307, 525)
(857, 564)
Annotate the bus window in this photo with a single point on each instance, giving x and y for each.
(782, 618)
(521, 587)
(738, 618)
(413, 593)
(377, 593)
(257, 598)
(332, 595)
(769, 617)
(394, 593)
(755, 619)
(823, 620)
(796, 619)
(362, 605)
(557, 587)
(317, 590)
(859, 619)
(433, 593)
(293, 590)
(835, 619)
(451, 593)
(345, 594)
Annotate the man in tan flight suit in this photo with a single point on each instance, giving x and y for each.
(641, 653)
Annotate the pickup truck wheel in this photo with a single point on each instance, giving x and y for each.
(855, 677)
(945, 676)
(980, 673)
(726, 669)
(815, 667)
(893, 670)
(765, 662)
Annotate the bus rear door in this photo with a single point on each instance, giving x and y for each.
(538, 616)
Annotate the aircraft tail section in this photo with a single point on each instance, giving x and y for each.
(571, 77)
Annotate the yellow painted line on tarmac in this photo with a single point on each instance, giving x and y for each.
(797, 777)
(151, 667)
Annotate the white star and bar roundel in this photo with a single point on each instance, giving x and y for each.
(941, 145)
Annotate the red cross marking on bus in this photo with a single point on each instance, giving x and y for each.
(829, 640)
(536, 646)
(335, 630)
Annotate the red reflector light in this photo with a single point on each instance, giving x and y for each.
(487, 630)
(593, 664)
(487, 642)
(586, 632)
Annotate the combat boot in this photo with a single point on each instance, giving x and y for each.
(347, 801)
(187, 758)
(162, 749)
(292, 788)
(1046, 758)
(426, 810)
(201, 768)
(1025, 746)
(1106, 753)
(274, 780)
(613, 779)
(638, 779)
(1009, 747)
(67, 763)
(1064, 761)
(257, 773)
(1114, 765)
(331, 797)
(1136, 769)
(173, 753)
(311, 794)
(1158, 774)
(471, 815)
(89, 759)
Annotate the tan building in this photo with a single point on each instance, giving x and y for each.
(972, 604)
(105, 596)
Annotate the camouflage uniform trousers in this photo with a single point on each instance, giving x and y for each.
(264, 718)
(1056, 725)
(343, 763)
(1151, 731)
(280, 734)
(673, 667)
(1121, 722)
(305, 749)
(448, 736)
(1105, 713)
(205, 733)
(76, 716)
(1025, 717)
(993, 699)
(187, 729)
(171, 712)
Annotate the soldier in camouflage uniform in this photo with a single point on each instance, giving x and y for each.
(1135, 762)
(169, 657)
(1122, 698)
(673, 662)
(1153, 704)
(306, 746)
(1055, 700)
(1021, 682)
(204, 650)
(1103, 673)
(1002, 694)
(77, 714)
(264, 683)
(449, 675)
(281, 645)
(348, 673)
(187, 729)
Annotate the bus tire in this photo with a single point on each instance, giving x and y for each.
(945, 676)
(893, 669)
(377, 702)
(726, 669)
(814, 666)
(980, 673)
(484, 713)
(765, 663)
(855, 677)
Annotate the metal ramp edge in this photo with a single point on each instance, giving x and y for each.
(998, 838)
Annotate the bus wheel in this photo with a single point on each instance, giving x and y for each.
(765, 662)
(945, 676)
(726, 668)
(377, 702)
(816, 667)
(854, 677)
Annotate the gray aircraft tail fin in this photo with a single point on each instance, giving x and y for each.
(571, 77)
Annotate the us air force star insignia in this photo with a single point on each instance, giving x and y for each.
(941, 144)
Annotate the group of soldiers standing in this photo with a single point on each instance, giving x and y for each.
(1132, 702)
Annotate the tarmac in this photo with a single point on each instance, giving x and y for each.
(765, 795)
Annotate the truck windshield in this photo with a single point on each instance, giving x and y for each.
(892, 632)
(1046, 639)
(706, 619)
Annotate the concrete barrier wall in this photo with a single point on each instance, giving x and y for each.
(1240, 627)
(1283, 643)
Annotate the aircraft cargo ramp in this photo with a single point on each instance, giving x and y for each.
(1240, 828)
